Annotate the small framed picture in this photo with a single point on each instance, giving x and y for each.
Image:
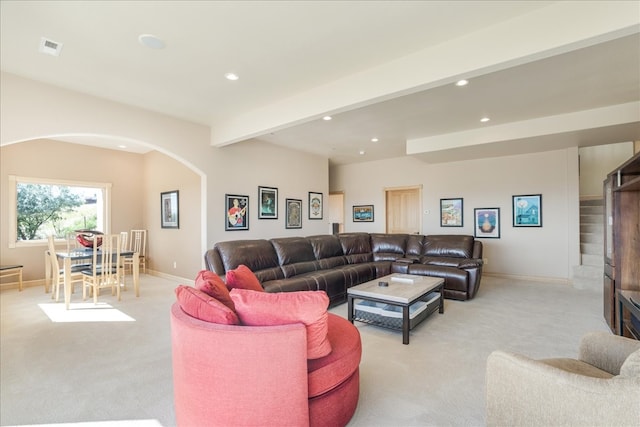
(294, 213)
(451, 213)
(527, 210)
(268, 199)
(487, 223)
(363, 213)
(169, 217)
(315, 205)
(236, 212)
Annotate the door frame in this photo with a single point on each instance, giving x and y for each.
(417, 187)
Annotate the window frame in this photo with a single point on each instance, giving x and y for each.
(13, 205)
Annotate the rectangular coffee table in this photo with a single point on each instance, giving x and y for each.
(403, 290)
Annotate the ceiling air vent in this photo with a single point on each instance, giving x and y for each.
(50, 47)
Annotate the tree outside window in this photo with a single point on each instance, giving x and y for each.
(49, 208)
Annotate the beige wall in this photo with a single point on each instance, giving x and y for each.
(547, 252)
(596, 162)
(167, 246)
(56, 160)
(30, 110)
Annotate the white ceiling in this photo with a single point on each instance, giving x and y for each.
(283, 49)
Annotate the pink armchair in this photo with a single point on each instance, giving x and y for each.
(259, 375)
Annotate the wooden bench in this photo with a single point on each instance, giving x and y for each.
(12, 270)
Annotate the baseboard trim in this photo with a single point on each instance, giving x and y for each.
(25, 284)
(171, 277)
(558, 280)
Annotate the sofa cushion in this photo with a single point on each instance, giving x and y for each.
(291, 250)
(388, 247)
(282, 308)
(329, 263)
(211, 284)
(631, 366)
(243, 278)
(255, 254)
(297, 283)
(295, 255)
(328, 372)
(201, 306)
(325, 246)
(355, 243)
(415, 243)
(460, 246)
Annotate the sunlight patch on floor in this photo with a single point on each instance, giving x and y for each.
(84, 312)
(121, 423)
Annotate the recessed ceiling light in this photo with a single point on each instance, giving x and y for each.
(462, 82)
(485, 119)
(231, 76)
(362, 152)
(374, 139)
(327, 118)
(151, 41)
(122, 146)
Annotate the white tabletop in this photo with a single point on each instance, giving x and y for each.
(403, 288)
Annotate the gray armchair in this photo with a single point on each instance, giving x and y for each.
(600, 388)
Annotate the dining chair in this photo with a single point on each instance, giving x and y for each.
(124, 246)
(57, 273)
(73, 245)
(138, 243)
(105, 271)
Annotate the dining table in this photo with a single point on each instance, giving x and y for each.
(86, 254)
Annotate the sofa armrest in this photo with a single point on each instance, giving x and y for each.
(526, 392)
(471, 263)
(606, 351)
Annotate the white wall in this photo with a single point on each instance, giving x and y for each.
(548, 252)
(596, 162)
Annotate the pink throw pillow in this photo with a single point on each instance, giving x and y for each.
(211, 284)
(283, 308)
(201, 306)
(243, 278)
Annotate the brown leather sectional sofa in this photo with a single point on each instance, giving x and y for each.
(333, 263)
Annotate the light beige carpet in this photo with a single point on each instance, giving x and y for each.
(91, 370)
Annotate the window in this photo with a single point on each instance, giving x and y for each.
(40, 207)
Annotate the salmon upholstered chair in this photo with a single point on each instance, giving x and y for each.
(228, 374)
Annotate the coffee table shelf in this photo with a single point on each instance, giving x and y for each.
(403, 303)
(390, 316)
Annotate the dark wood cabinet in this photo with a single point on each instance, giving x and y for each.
(622, 238)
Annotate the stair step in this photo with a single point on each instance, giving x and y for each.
(591, 219)
(592, 248)
(587, 283)
(592, 202)
(588, 271)
(591, 210)
(593, 260)
(592, 228)
(591, 238)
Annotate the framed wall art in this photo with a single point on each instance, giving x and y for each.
(268, 197)
(451, 213)
(315, 205)
(487, 223)
(294, 213)
(236, 212)
(169, 215)
(363, 213)
(527, 210)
